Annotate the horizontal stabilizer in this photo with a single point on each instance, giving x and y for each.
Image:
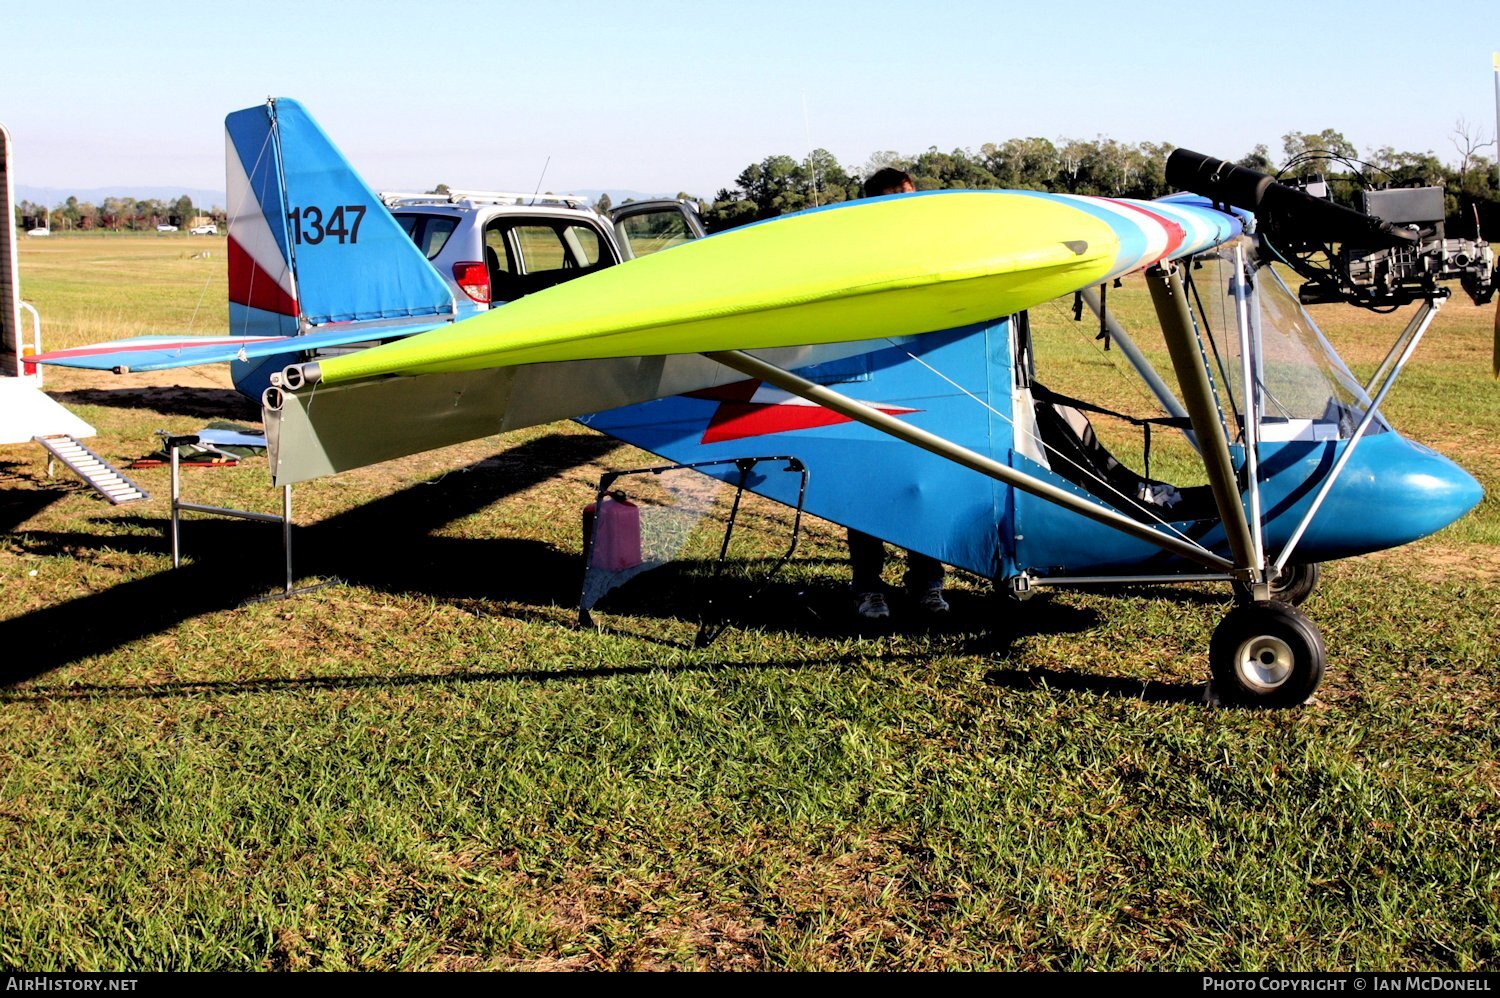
(160, 353)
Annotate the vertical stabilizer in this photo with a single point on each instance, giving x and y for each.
(310, 243)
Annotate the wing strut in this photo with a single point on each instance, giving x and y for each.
(1251, 408)
(859, 412)
(1177, 328)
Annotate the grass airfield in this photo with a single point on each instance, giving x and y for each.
(428, 766)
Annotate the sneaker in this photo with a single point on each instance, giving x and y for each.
(932, 601)
(872, 606)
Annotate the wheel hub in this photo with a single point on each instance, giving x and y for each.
(1264, 662)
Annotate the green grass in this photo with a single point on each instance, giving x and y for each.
(428, 766)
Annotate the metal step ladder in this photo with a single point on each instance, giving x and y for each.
(92, 468)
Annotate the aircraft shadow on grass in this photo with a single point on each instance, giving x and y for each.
(202, 403)
(978, 625)
(220, 576)
(388, 545)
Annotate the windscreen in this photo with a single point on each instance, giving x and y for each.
(1304, 391)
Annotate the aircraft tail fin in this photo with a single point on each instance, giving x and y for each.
(309, 242)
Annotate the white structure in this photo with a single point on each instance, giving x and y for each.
(25, 412)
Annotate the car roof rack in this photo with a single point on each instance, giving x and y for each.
(461, 197)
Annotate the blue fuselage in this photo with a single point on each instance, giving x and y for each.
(958, 384)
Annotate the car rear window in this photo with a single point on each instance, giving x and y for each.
(429, 232)
(653, 231)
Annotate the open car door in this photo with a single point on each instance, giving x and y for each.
(646, 227)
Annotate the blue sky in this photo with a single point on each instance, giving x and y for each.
(667, 96)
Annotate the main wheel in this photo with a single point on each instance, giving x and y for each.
(1293, 585)
(1266, 654)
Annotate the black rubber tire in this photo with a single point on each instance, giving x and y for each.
(1266, 654)
(1293, 585)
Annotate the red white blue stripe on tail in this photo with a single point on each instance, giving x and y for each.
(262, 286)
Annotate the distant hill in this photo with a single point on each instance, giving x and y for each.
(54, 196)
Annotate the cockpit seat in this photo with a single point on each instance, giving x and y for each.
(1074, 452)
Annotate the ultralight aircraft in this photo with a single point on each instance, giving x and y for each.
(886, 343)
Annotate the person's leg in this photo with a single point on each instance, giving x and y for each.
(866, 560)
(923, 572)
(924, 581)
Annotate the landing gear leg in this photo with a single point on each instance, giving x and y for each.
(1266, 654)
(1293, 585)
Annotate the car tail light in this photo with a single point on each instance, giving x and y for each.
(474, 278)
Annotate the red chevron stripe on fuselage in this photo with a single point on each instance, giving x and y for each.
(739, 416)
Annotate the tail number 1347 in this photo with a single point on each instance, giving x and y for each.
(312, 225)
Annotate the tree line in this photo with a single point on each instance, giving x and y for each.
(1103, 166)
(117, 214)
(780, 184)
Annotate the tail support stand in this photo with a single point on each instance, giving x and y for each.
(174, 444)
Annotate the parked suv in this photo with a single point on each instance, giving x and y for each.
(496, 247)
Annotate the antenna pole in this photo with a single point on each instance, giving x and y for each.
(541, 178)
(807, 130)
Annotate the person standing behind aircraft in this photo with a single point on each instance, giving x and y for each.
(924, 575)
